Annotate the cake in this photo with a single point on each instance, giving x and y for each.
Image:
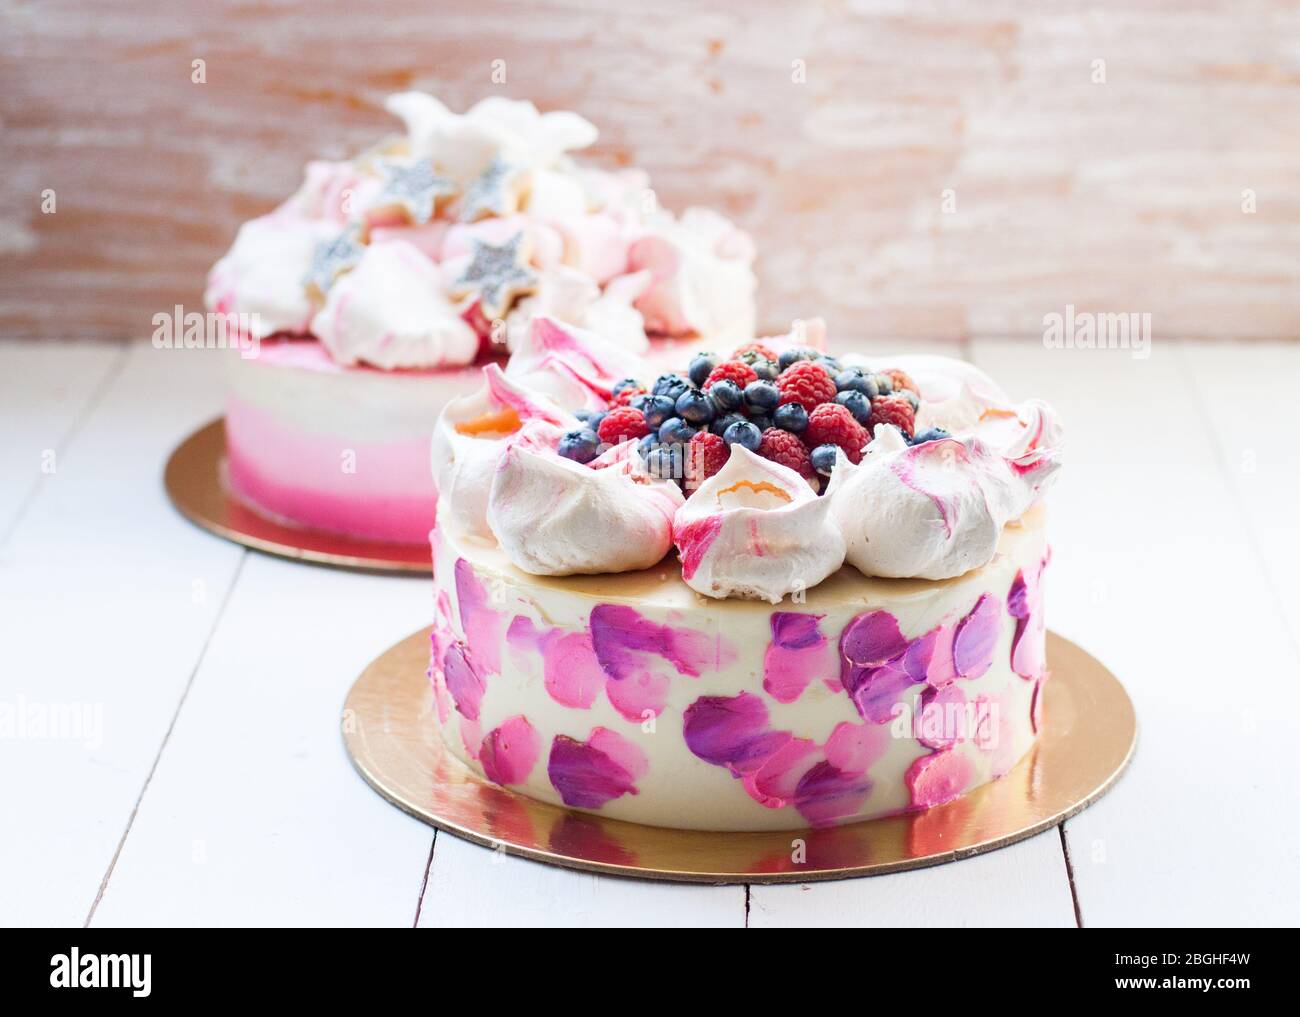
(378, 290)
(773, 589)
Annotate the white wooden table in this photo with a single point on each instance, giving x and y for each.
(214, 788)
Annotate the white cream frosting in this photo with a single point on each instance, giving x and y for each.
(756, 530)
(471, 435)
(572, 297)
(703, 279)
(262, 273)
(936, 510)
(574, 367)
(391, 312)
(554, 517)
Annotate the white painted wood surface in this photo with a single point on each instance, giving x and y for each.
(217, 791)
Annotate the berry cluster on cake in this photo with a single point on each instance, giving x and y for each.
(379, 289)
(774, 588)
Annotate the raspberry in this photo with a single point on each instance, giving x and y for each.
(785, 448)
(757, 348)
(806, 383)
(732, 370)
(901, 379)
(625, 395)
(892, 409)
(706, 454)
(833, 424)
(622, 423)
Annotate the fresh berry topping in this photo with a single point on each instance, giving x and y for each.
(833, 424)
(675, 431)
(645, 446)
(701, 365)
(933, 434)
(829, 364)
(762, 396)
(726, 396)
(622, 423)
(911, 397)
(767, 370)
(901, 380)
(624, 396)
(580, 445)
(657, 409)
(807, 384)
(761, 420)
(785, 448)
(695, 407)
(706, 455)
(731, 370)
(670, 385)
(857, 404)
(743, 433)
(795, 354)
(791, 417)
(758, 349)
(720, 425)
(893, 409)
(823, 459)
(854, 379)
(884, 384)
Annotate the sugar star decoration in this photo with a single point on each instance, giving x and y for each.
(499, 274)
(416, 188)
(495, 192)
(332, 258)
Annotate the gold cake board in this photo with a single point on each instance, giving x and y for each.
(1088, 737)
(193, 479)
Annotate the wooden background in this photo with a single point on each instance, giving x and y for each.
(1119, 196)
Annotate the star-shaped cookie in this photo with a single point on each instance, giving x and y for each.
(496, 191)
(498, 273)
(332, 258)
(416, 188)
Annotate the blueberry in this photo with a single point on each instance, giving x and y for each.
(858, 404)
(911, 397)
(646, 445)
(762, 396)
(625, 383)
(594, 419)
(580, 445)
(695, 407)
(791, 417)
(761, 420)
(829, 364)
(665, 462)
(823, 459)
(720, 425)
(700, 368)
(794, 354)
(669, 385)
(766, 370)
(884, 383)
(657, 409)
(675, 431)
(854, 379)
(743, 433)
(726, 396)
(933, 434)
(583, 415)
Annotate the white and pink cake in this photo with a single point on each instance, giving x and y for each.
(818, 605)
(375, 293)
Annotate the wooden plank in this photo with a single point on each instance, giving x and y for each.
(106, 599)
(474, 886)
(1155, 574)
(1025, 884)
(909, 169)
(46, 391)
(255, 815)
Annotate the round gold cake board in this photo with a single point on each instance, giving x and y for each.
(1087, 739)
(194, 483)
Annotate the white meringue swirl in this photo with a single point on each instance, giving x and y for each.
(756, 530)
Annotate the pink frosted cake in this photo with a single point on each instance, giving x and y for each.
(774, 590)
(375, 293)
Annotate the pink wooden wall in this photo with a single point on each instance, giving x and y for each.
(1125, 195)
